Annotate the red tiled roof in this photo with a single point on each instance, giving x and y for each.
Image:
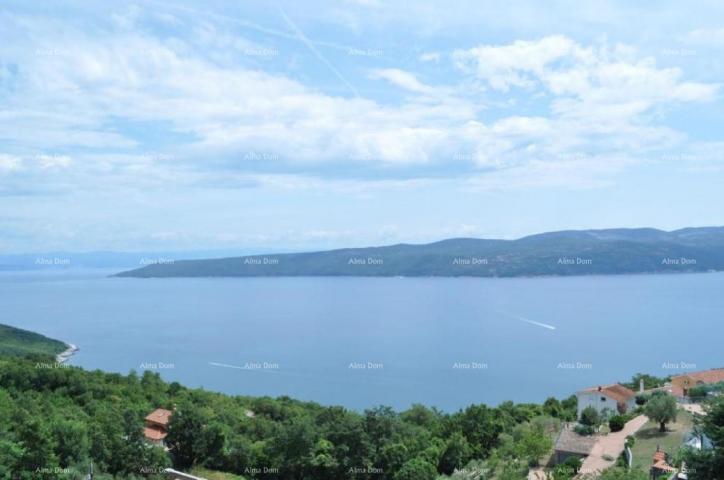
(155, 434)
(662, 465)
(159, 416)
(616, 391)
(707, 376)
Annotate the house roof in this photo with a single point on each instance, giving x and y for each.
(152, 433)
(571, 442)
(714, 375)
(660, 461)
(160, 416)
(707, 376)
(615, 391)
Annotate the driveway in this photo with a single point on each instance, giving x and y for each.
(611, 444)
(693, 408)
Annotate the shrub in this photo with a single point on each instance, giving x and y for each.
(616, 423)
(590, 417)
(584, 430)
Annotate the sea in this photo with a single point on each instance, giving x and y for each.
(363, 342)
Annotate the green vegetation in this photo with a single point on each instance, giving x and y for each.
(650, 436)
(567, 469)
(708, 464)
(612, 251)
(618, 473)
(212, 475)
(590, 417)
(59, 419)
(701, 391)
(616, 423)
(661, 408)
(650, 382)
(17, 342)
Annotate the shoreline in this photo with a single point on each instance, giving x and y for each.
(65, 355)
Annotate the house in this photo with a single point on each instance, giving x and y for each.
(172, 474)
(571, 444)
(609, 399)
(156, 427)
(680, 384)
(660, 466)
(698, 441)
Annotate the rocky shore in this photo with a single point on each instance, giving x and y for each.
(65, 355)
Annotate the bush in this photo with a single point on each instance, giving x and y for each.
(584, 430)
(641, 399)
(616, 423)
(698, 391)
(567, 469)
(590, 417)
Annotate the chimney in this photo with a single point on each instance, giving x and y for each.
(641, 385)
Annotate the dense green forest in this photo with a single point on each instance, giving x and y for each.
(16, 342)
(59, 419)
(55, 420)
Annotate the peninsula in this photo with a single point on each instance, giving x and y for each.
(571, 252)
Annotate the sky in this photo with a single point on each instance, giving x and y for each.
(288, 125)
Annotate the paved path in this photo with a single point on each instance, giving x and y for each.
(537, 474)
(693, 408)
(611, 444)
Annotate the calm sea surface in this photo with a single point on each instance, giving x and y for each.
(444, 342)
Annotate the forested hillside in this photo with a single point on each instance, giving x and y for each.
(55, 421)
(15, 341)
(584, 252)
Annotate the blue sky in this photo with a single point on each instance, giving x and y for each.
(292, 125)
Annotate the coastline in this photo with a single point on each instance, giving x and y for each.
(65, 355)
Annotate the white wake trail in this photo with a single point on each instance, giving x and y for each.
(527, 320)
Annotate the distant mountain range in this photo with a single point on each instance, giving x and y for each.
(60, 260)
(583, 252)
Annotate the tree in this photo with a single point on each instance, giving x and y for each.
(590, 417)
(455, 455)
(35, 439)
(416, 469)
(185, 435)
(532, 442)
(662, 409)
(570, 408)
(707, 463)
(552, 407)
(481, 426)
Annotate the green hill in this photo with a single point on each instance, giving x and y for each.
(585, 252)
(17, 342)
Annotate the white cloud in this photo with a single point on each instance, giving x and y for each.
(597, 77)
(401, 79)
(54, 161)
(597, 98)
(9, 163)
(430, 57)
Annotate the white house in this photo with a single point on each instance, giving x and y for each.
(609, 399)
